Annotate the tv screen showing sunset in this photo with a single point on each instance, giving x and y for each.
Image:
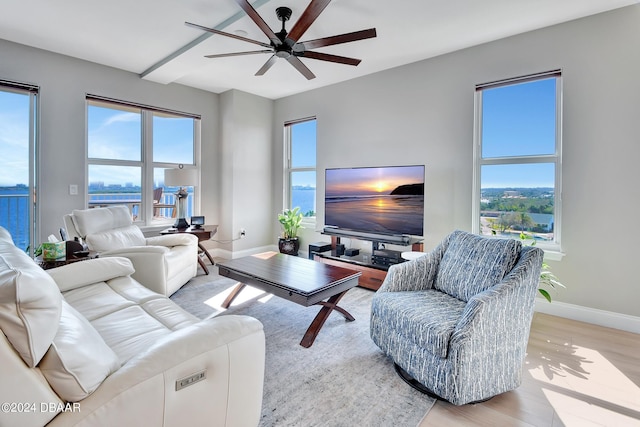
(386, 200)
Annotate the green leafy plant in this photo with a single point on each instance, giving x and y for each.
(37, 251)
(291, 221)
(548, 280)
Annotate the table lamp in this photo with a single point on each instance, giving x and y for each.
(182, 178)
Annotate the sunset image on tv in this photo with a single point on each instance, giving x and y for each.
(386, 200)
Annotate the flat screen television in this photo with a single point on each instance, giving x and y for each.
(377, 200)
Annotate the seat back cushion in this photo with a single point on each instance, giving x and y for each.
(472, 263)
(91, 221)
(117, 238)
(30, 303)
(78, 360)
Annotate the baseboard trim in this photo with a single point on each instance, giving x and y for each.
(223, 253)
(595, 316)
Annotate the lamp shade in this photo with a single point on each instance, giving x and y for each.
(180, 177)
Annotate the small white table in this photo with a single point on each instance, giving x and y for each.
(411, 255)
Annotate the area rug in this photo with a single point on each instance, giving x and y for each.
(343, 379)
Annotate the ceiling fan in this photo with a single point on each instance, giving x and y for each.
(285, 44)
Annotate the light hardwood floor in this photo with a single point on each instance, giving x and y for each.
(576, 374)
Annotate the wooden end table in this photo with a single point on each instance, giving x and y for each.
(296, 279)
(53, 263)
(204, 232)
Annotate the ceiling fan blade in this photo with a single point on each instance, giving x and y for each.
(222, 33)
(342, 38)
(249, 10)
(298, 65)
(267, 65)
(222, 55)
(306, 19)
(331, 58)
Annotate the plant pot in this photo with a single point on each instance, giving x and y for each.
(289, 246)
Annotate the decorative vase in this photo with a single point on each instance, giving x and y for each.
(289, 246)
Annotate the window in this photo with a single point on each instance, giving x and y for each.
(300, 166)
(128, 148)
(18, 130)
(518, 159)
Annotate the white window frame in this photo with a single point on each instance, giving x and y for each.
(289, 169)
(147, 165)
(553, 250)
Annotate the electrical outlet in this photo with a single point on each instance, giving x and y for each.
(243, 233)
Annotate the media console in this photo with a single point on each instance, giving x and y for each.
(373, 265)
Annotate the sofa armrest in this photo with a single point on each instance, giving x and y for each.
(176, 239)
(82, 273)
(229, 349)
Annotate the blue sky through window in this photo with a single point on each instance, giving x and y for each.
(519, 120)
(14, 139)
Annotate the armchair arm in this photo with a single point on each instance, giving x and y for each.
(150, 265)
(133, 250)
(507, 306)
(177, 239)
(414, 275)
(229, 349)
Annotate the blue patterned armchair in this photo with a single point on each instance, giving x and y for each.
(457, 319)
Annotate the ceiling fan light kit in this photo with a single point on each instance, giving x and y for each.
(285, 44)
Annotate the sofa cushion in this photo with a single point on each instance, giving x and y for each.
(117, 238)
(472, 264)
(90, 221)
(78, 360)
(29, 303)
(425, 318)
(128, 316)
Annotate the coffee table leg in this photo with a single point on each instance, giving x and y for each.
(234, 293)
(327, 307)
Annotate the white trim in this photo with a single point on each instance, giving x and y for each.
(608, 319)
(227, 254)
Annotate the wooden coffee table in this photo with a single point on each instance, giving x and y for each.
(299, 280)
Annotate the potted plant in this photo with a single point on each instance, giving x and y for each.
(291, 220)
(547, 278)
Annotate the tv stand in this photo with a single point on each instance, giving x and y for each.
(373, 265)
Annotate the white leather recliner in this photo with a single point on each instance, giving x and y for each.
(162, 263)
(86, 345)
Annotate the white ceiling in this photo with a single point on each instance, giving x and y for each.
(141, 35)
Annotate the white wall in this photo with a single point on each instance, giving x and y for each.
(245, 172)
(423, 113)
(64, 82)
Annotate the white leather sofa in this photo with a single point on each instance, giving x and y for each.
(87, 345)
(162, 263)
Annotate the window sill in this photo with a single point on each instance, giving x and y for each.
(553, 254)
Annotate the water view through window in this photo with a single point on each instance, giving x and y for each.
(124, 154)
(15, 114)
(519, 159)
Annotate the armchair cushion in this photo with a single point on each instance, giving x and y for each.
(425, 318)
(90, 221)
(472, 264)
(121, 237)
(30, 303)
(78, 360)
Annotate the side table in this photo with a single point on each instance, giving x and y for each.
(202, 233)
(47, 264)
